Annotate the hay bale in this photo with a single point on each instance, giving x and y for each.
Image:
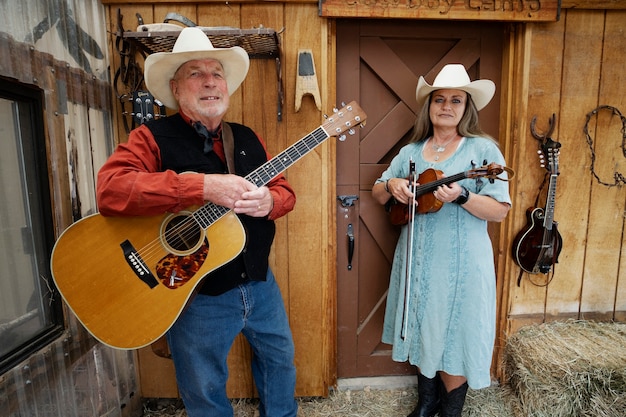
(572, 368)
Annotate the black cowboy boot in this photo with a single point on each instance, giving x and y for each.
(428, 391)
(452, 402)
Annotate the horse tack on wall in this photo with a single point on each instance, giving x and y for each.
(519, 11)
(618, 177)
(259, 43)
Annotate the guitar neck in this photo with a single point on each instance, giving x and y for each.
(210, 212)
(272, 168)
(432, 186)
(550, 202)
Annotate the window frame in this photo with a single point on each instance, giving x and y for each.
(30, 101)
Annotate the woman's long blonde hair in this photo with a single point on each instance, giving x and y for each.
(468, 126)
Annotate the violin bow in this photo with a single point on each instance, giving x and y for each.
(409, 250)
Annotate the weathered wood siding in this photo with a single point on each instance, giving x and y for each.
(40, 48)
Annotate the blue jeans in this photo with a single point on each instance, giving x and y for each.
(202, 337)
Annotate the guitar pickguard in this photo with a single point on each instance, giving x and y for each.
(175, 271)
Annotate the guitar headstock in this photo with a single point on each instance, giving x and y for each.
(344, 120)
(550, 151)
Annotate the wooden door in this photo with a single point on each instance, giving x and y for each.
(378, 65)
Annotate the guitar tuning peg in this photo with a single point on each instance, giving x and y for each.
(325, 116)
(335, 110)
(343, 104)
(351, 131)
(342, 138)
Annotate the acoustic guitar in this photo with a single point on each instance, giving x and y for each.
(127, 279)
(536, 248)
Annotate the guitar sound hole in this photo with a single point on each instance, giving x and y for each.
(183, 234)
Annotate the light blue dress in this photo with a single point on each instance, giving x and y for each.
(452, 304)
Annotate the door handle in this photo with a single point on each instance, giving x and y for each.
(347, 201)
(350, 235)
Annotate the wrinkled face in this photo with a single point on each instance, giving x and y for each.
(447, 107)
(201, 90)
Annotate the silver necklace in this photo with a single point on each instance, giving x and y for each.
(440, 148)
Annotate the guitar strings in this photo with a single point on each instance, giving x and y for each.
(188, 229)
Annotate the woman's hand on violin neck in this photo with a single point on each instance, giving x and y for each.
(448, 193)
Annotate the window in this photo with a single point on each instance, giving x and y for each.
(30, 313)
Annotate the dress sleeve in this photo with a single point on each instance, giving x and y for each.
(498, 190)
(130, 182)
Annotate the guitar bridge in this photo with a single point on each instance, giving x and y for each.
(137, 264)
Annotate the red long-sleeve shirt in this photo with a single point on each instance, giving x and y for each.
(131, 182)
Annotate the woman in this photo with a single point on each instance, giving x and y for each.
(450, 323)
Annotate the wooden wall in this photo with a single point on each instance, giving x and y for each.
(568, 68)
(302, 257)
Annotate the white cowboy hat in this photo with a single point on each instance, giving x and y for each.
(454, 77)
(192, 43)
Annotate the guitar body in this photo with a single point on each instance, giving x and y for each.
(120, 303)
(535, 249)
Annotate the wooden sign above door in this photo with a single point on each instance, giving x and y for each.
(492, 10)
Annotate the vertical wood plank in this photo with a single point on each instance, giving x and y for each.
(606, 215)
(583, 40)
(504, 278)
(612, 91)
(308, 254)
(544, 73)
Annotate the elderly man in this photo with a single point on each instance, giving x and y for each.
(190, 158)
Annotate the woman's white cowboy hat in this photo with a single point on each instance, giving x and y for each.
(192, 43)
(454, 77)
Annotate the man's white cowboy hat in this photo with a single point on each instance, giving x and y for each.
(192, 43)
(454, 77)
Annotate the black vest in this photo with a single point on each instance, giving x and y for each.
(182, 151)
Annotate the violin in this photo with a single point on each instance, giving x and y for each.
(428, 181)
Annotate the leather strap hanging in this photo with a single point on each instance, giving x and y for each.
(229, 147)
